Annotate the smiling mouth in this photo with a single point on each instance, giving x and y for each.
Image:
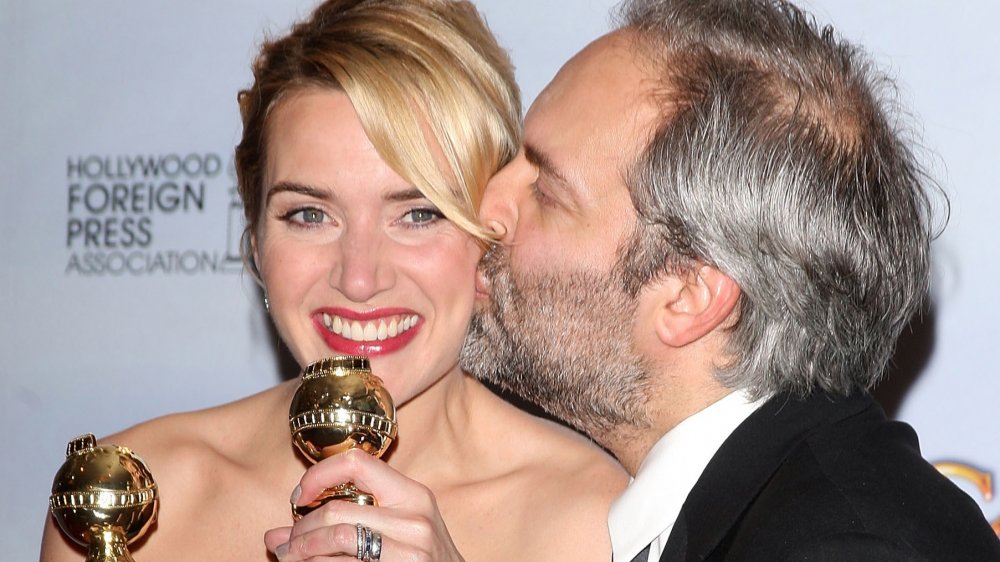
(370, 330)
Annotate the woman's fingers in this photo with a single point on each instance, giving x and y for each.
(340, 542)
(277, 537)
(331, 531)
(407, 519)
(369, 475)
(327, 541)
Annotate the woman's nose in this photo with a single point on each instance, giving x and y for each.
(362, 267)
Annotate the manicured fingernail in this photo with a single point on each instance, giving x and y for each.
(296, 493)
(281, 550)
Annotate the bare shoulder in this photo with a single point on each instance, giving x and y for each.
(193, 457)
(193, 453)
(569, 459)
(581, 480)
(175, 452)
(175, 448)
(178, 447)
(564, 487)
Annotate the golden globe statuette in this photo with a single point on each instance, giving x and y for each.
(340, 405)
(103, 497)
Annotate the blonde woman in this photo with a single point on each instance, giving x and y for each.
(369, 134)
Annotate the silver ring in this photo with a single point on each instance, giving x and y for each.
(369, 544)
(361, 540)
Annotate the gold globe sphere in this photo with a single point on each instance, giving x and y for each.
(103, 497)
(340, 405)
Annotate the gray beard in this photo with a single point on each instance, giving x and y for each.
(563, 342)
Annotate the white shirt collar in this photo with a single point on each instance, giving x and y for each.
(645, 512)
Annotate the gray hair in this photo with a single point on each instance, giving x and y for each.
(780, 160)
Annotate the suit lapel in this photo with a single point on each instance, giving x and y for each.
(745, 463)
(677, 542)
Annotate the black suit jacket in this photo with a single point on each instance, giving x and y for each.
(826, 479)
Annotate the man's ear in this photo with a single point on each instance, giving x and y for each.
(692, 304)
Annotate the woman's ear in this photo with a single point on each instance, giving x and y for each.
(251, 253)
(254, 253)
(693, 304)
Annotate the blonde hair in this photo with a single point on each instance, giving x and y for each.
(434, 92)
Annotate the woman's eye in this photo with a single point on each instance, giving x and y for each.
(422, 216)
(306, 216)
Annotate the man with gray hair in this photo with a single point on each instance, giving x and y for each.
(710, 243)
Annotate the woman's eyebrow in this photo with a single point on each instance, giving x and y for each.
(293, 187)
(404, 195)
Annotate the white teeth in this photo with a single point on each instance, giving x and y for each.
(377, 330)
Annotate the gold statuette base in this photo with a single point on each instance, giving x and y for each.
(108, 545)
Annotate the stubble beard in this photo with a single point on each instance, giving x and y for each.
(562, 341)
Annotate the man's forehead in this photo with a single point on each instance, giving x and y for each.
(610, 60)
(605, 82)
(598, 108)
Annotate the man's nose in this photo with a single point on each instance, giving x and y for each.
(499, 208)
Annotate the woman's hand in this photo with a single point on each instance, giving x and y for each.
(407, 516)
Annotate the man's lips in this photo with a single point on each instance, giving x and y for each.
(366, 333)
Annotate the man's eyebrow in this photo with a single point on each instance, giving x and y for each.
(293, 187)
(544, 163)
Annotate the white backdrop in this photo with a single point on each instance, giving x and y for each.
(116, 309)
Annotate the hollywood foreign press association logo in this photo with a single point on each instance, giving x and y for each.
(121, 206)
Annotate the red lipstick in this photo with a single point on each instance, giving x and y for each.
(342, 345)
